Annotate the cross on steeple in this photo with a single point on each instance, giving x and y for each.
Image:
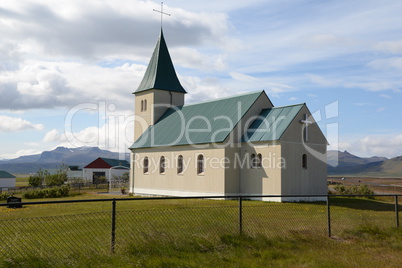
(306, 122)
(162, 13)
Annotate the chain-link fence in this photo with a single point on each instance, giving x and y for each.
(67, 229)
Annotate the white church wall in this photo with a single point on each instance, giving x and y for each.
(210, 182)
(264, 180)
(299, 180)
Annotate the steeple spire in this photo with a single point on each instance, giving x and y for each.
(160, 73)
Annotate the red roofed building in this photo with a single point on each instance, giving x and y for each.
(105, 167)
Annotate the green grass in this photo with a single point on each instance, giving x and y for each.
(22, 181)
(199, 233)
(362, 249)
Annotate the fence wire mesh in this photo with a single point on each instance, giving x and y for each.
(140, 221)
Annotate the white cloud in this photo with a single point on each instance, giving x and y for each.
(68, 63)
(385, 96)
(10, 124)
(388, 63)
(324, 81)
(380, 145)
(94, 29)
(394, 47)
(20, 153)
(381, 85)
(62, 84)
(54, 136)
(115, 133)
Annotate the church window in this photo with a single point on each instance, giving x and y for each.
(180, 164)
(142, 105)
(162, 165)
(146, 165)
(253, 161)
(145, 105)
(259, 161)
(200, 164)
(304, 161)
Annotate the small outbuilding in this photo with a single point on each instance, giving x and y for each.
(105, 167)
(7, 180)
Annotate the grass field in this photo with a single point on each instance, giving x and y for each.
(199, 233)
(22, 181)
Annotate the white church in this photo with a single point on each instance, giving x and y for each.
(239, 145)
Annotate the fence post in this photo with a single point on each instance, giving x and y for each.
(240, 215)
(329, 216)
(396, 211)
(113, 238)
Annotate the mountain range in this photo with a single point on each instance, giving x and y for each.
(339, 163)
(345, 163)
(53, 159)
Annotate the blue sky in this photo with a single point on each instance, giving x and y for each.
(67, 69)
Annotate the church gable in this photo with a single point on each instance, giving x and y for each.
(271, 124)
(304, 129)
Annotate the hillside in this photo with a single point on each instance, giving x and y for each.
(347, 159)
(53, 159)
(349, 164)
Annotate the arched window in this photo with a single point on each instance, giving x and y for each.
(253, 161)
(162, 165)
(146, 165)
(200, 164)
(304, 161)
(259, 160)
(145, 105)
(142, 105)
(180, 164)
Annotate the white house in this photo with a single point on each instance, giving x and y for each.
(106, 167)
(7, 180)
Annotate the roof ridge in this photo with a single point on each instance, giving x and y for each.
(279, 107)
(224, 98)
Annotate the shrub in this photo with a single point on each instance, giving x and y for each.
(4, 196)
(56, 179)
(54, 192)
(35, 181)
(100, 180)
(125, 177)
(354, 190)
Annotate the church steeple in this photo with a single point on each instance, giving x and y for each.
(160, 73)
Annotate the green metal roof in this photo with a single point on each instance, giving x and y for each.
(271, 123)
(160, 73)
(116, 162)
(5, 175)
(199, 123)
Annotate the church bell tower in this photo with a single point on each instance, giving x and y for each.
(159, 89)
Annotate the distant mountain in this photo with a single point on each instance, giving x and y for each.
(53, 159)
(349, 164)
(347, 159)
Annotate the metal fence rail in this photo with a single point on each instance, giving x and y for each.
(124, 222)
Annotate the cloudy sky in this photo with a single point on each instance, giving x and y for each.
(68, 68)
